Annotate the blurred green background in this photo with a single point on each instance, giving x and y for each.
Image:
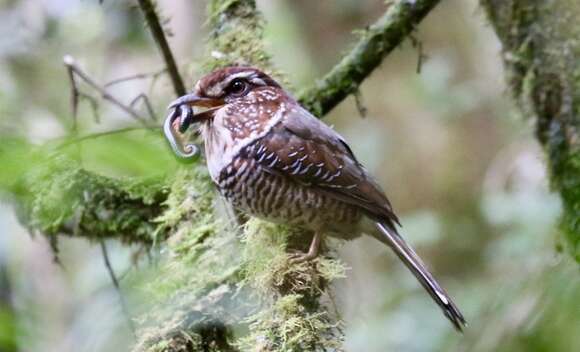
(460, 166)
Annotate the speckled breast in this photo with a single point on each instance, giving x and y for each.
(273, 197)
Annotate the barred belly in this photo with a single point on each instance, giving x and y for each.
(258, 192)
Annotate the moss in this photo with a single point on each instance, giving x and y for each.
(236, 37)
(289, 326)
(209, 336)
(266, 266)
(190, 193)
(195, 286)
(265, 258)
(199, 238)
(57, 196)
(244, 282)
(291, 317)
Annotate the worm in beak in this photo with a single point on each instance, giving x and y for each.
(181, 116)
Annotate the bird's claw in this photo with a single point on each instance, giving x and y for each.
(301, 257)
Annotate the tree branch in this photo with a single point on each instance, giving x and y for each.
(377, 41)
(74, 69)
(60, 198)
(136, 76)
(148, 9)
(117, 286)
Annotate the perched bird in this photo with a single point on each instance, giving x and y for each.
(272, 159)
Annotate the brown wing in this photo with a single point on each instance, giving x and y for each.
(307, 151)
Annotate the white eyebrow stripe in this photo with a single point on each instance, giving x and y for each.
(218, 88)
(243, 74)
(258, 81)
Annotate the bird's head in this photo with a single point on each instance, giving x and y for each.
(230, 85)
(242, 93)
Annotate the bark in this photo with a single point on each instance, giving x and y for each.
(540, 51)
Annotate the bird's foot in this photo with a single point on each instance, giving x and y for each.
(301, 257)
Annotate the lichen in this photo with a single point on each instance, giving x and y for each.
(199, 239)
(288, 325)
(291, 316)
(238, 278)
(267, 268)
(195, 284)
(236, 37)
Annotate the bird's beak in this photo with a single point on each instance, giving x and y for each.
(195, 100)
(181, 116)
(183, 108)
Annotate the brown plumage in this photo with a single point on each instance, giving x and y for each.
(272, 159)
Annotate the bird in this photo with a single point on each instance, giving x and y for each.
(271, 158)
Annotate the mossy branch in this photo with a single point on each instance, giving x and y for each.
(540, 50)
(376, 42)
(56, 196)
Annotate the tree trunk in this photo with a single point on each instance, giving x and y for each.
(541, 51)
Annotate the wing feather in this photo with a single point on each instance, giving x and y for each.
(308, 151)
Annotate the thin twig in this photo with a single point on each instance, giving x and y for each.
(94, 106)
(148, 106)
(377, 42)
(115, 282)
(360, 106)
(66, 143)
(152, 19)
(74, 98)
(74, 69)
(421, 56)
(53, 242)
(136, 76)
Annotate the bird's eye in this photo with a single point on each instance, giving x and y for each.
(237, 87)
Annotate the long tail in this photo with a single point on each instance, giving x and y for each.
(413, 262)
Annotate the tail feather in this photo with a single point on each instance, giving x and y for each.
(412, 261)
